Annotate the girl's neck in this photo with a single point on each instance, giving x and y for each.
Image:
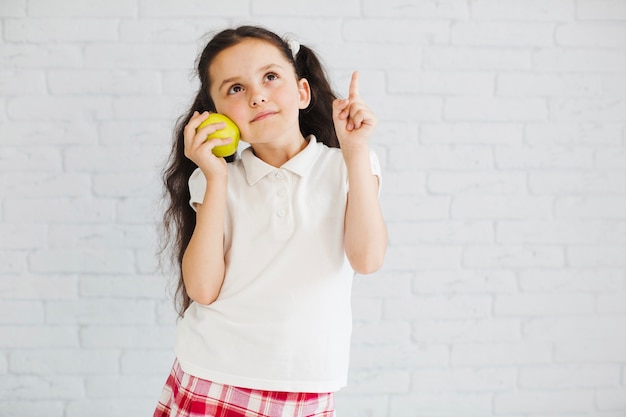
(277, 155)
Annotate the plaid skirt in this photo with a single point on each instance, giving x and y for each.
(187, 396)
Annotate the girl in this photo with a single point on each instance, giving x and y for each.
(267, 244)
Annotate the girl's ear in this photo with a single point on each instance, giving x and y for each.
(304, 91)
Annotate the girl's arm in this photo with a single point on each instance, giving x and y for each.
(365, 233)
(203, 261)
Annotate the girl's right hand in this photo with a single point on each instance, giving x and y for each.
(199, 149)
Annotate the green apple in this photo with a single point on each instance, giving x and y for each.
(229, 131)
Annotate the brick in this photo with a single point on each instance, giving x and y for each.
(416, 257)
(22, 236)
(569, 376)
(495, 109)
(399, 356)
(37, 388)
(13, 83)
(142, 132)
(466, 58)
(396, 30)
(601, 9)
(124, 386)
(373, 57)
(611, 158)
(147, 362)
(466, 331)
(62, 108)
(569, 401)
(502, 33)
(461, 404)
(573, 133)
(447, 9)
(53, 184)
(600, 35)
(173, 29)
(14, 8)
(367, 308)
(135, 211)
(43, 56)
(11, 408)
(40, 159)
(37, 287)
(574, 328)
(596, 109)
(64, 362)
(473, 133)
(96, 8)
(533, 10)
(106, 407)
(128, 337)
(60, 30)
(464, 380)
(113, 159)
(612, 303)
(571, 280)
(402, 108)
(506, 256)
(464, 281)
(590, 350)
(578, 182)
(48, 132)
(501, 354)
(446, 232)
(127, 56)
(441, 83)
(413, 207)
(543, 304)
(585, 207)
(100, 311)
(488, 182)
(322, 8)
(551, 85)
(81, 260)
(103, 82)
(381, 332)
(457, 158)
(611, 399)
(378, 381)
(58, 210)
(560, 231)
(12, 262)
(361, 405)
(496, 207)
(439, 307)
(596, 256)
(100, 236)
(37, 337)
(382, 284)
(578, 60)
(123, 286)
(21, 312)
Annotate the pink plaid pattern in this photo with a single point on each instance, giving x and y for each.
(187, 396)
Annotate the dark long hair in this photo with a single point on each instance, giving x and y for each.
(179, 219)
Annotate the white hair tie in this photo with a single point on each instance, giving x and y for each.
(294, 45)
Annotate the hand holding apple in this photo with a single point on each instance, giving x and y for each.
(229, 131)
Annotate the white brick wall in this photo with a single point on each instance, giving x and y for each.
(503, 141)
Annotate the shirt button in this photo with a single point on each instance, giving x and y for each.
(281, 212)
(281, 192)
(279, 175)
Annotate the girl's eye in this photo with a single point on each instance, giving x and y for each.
(270, 76)
(235, 89)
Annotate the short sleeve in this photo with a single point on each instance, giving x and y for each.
(197, 188)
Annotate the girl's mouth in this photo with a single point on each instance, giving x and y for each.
(263, 115)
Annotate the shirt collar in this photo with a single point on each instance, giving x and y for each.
(300, 164)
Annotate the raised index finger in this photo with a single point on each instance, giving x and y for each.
(354, 86)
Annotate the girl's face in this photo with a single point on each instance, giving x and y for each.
(256, 86)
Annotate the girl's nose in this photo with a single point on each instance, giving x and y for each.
(257, 98)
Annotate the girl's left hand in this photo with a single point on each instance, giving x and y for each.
(354, 121)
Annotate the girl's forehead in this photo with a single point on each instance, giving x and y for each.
(249, 54)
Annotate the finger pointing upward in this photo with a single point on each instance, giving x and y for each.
(354, 86)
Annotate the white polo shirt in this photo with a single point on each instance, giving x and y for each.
(282, 320)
